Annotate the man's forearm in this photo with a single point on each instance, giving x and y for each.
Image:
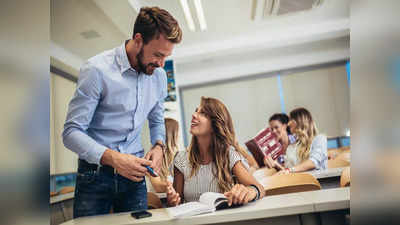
(87, 148)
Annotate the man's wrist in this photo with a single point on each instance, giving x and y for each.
(108, 157)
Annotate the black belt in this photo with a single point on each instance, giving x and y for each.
(85, 166)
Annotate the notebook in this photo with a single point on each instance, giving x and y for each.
(263, 144)
(208, 202)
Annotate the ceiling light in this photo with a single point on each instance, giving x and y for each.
(188, 15)
(200, 14)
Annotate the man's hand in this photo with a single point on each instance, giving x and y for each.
(156, 155)
(127, 165)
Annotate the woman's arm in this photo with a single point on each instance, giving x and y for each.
(304, 166)
(159, 185)
(244, 192)
(252, 162)
(175, 190)
(245, 178)
(178, 182)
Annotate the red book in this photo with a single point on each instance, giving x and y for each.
(263, 144)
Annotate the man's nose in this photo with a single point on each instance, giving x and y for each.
(162, 62)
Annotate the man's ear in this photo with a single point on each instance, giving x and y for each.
(138, 40)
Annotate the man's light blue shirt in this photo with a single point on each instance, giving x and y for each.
(110, 105)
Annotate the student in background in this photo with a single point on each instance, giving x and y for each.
(310, 149)
(213, 160)
(279, 125)
(166, 172)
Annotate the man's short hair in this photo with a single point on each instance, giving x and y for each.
(153, 21)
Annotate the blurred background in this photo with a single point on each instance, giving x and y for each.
(339, 59)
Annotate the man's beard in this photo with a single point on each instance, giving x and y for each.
(142, 67)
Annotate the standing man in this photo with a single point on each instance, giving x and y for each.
(116, 92)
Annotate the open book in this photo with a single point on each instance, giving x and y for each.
(263, 144)
(208, 202)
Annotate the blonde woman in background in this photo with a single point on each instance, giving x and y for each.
(166, 173)
(213, 160)
(310, 149)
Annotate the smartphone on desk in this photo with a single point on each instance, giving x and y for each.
(140, 214)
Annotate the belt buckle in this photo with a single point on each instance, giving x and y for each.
(115, 171)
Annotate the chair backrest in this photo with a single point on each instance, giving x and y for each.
(335, 152)
(345, 155)
(153, 201)
(66, 190)
(338, 162)
(263, 172)
(345, 177)
(290, 183)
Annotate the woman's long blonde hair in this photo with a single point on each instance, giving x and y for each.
(171, 139)
(223, 136)
(305, 131)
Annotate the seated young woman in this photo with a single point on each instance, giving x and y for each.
(309, 151)
(213, 162)
(279, 126)
(166, 173)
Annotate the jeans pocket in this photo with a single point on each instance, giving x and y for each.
(86, 177)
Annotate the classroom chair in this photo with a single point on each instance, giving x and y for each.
(337, 163)
(153, 201)
(290, 183)
(335, 152)
(66, 190)
(345, 155)
(345, 177)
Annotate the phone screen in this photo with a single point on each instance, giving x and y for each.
(140, 214)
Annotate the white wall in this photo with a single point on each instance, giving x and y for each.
(252, 101)
(62, 160)
(325, 93)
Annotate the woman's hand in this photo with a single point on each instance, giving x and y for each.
(240, 194)
(283, 171)
(272, 163)
(173, 198)
(269, 162)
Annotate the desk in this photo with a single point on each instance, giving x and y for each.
(278, 209)
(61, 207)
(328, 178)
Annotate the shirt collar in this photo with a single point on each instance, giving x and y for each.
(122, 58)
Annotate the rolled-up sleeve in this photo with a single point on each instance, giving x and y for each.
(156, 115)
(319, 152)
(80, 113)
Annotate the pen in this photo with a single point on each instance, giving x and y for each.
(152, 172)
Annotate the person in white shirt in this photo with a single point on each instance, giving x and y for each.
(309, 151)
(214, 162)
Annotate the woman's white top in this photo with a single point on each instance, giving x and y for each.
(318, 153)
(204, 180)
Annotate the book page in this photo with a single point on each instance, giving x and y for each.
(189, 209)
(210, 198)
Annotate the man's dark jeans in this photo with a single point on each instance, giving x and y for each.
(99, 190)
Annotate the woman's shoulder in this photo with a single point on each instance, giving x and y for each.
(181, 155)
(320, 138)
